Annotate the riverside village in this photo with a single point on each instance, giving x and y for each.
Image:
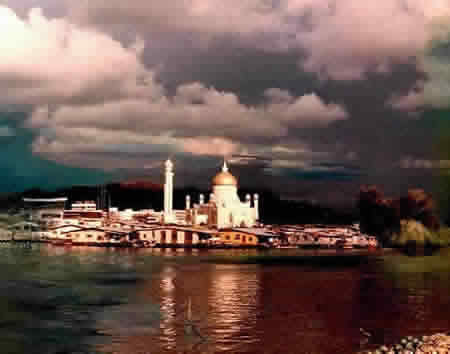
(221, 221)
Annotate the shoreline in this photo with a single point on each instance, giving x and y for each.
(438, 343)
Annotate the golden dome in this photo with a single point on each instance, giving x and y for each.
(224, 178)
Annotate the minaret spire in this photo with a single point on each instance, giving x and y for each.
(224, 167)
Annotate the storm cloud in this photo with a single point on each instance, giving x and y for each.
(319, 90)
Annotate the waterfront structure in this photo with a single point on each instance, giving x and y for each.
(5, 235)
(149, 216)
(44, 210)
(84, 206)
(327, 236)
(224, 208)
(24, 231)
(84, 217)
(123, 233)
(93, 236)
(236, 238)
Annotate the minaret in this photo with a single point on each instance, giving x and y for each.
(188, 202)
(168, 192)
(256, 205)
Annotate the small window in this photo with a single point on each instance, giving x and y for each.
(89, 236)
(250, 239)
(243, 239)
(227, 237)
(99, 238)
(145, 236)
(237, 237)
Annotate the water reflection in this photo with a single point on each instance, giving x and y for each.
(135, 301)
(168, 310)
(223, 301)
(233, 301)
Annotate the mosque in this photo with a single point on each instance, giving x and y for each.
(224, 208)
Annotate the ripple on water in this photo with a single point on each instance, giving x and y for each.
(84, 300)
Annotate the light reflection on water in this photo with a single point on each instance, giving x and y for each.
(234, 299)
(167, 325)
(70, 300)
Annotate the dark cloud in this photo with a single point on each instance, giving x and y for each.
(297, 98)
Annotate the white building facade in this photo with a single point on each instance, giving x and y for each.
(224, 208)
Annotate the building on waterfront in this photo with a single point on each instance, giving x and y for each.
(174, 236)
(44, 210)
(145, 215)
(223, 210)
(195, 225)
(94, 236)
(84, 206)
(24, 230)
(84, 214)
(235, 238)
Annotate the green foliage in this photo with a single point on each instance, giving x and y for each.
(413, 232)
(444, 235)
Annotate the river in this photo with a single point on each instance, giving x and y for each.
(96, 300)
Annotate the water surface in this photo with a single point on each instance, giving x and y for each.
(95, 300)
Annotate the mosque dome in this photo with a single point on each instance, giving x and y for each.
(224, 178)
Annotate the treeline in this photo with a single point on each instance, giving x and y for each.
(382, 216)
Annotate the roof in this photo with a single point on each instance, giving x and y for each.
(65, 225)
(103, 229)
(198, 230)
(23, 223)
(257, 231)
(44, 200)
(91, 214)
(224, 178)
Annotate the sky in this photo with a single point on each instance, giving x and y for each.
(310, 98)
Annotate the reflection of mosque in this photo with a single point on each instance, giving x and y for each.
(223, 310)
(243, 308)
